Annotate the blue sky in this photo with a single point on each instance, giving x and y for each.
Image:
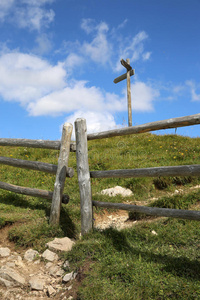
(58, 60)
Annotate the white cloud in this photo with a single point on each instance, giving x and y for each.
(24, 77)
(95, 121)
(75, 96)
(5, 6)
(146, 56)
(44, 44)
(45, 89)
(143, 96)
(99, 49)
(134, 49)
(88, 25)
(30, 14)
(73, 60)
(123, 24)
(34, 17)
(194, 95)
(78, 96)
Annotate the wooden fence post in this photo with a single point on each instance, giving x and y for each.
(61, 174)
(83, 175)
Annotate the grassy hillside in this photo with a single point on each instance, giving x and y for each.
(128, 264)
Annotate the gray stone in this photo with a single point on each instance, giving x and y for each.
(10, 264)
(117, 190)
(62, 244)
(12, 275)
(49, 265)
(30, 254)
(6, 283)
(51, 291)
(68, 277)
(36, 283)
(66, 264)
(4, 251)
(49, 255)
(56, 271)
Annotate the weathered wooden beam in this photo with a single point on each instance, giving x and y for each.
(152, 126)
(124, 76)
(45, 144)
(33, 165)
(152, 211)
(129, 95)
(61, 174)
(83, 176)
(126, 64)
(187, 170)
(30, 191)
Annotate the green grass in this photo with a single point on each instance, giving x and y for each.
(128, 264)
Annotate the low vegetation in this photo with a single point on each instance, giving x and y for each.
(157, 258)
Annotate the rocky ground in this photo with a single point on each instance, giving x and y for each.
(31, 275)
(27, 274)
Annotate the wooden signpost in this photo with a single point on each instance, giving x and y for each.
(127, 75)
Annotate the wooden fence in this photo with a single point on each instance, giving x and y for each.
(61, 170)
(85, 175)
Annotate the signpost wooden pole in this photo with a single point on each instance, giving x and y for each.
(129, 95)
(127, 76)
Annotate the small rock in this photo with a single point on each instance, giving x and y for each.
(154, 233)
(53, 270)
(51, 291)
(49, 265)
(30, 254)
(36, 283)
(12, 275)
(37, 262)
(74, 275)
(63, 244)
(4, 252)
(60, 272)
(6, 283)
(10, 264)
(49, 255)
(68, 277)
(66, 264)
(117, 190)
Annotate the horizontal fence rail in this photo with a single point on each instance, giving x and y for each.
(30, 191)
(45, 144)
(152, 211)
(34, 165)
(187, 170)
(158, 125)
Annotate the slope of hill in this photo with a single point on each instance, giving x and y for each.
(153, 258)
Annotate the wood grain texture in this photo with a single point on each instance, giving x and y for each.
(83, 176)
(124, 76)
(152, 211)
(30, 191)
(61, 174)
(152, 126)
(187, 170)
(45, 144)
(126, 64)
(129, 95)
(33, 165)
